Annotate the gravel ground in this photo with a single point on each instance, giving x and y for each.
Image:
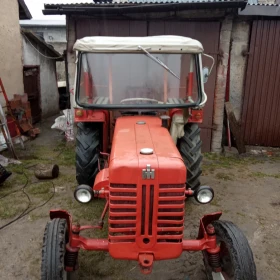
(247, 190)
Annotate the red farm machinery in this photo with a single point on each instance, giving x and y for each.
(138, 103)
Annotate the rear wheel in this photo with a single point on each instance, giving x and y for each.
(53, 251)
(87, 152)
(190, 149)
(236, 256)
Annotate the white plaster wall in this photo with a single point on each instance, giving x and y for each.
(48, 82)
(60, 65)
(10, 49)
(55, 36)
(240, 41)
(52, 34)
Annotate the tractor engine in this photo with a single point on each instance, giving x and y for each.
(146, 192)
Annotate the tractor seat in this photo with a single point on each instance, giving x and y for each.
(175, 101)
(100, 100)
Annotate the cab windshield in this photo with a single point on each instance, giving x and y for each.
(137, 80)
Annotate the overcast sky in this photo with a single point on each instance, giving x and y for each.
(36, 6)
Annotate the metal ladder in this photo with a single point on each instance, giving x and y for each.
(4, 124)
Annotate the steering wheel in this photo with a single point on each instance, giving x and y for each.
(137, 99)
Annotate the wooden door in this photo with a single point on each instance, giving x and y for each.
(31, 80)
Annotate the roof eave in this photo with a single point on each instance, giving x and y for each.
(137, 8)
(33, 38)
(260, 10)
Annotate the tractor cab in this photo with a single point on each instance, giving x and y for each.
(140, 73)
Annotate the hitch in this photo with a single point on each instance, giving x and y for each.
(146, 262)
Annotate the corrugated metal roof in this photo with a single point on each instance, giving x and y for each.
(169, 1)
(138, 6)
(66, 2)
(268, 10)
(117, 7)
(262, 4)
(121, 2)
(256, 3)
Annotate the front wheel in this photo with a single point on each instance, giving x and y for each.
(236, 257)
(53, 251)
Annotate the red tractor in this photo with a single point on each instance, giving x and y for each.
(138, 102)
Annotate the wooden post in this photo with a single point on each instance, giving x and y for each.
(235, 128)
(220, 88)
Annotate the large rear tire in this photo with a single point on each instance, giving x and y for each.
(53, 251)
(190, 149)
(87, 152)
(236, 256)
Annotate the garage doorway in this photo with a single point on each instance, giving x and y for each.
(31, 81)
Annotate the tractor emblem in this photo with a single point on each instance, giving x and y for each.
(148, 173)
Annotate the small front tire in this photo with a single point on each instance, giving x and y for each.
(53, 251)
(236, 256)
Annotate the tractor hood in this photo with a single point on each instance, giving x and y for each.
(128, 165)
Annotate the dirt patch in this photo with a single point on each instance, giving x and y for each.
(247, 190)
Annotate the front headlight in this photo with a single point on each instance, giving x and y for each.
(204, 194)
(83, 194)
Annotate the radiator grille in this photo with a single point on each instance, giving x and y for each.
(147, 204)
(170, 213)
(122, 217)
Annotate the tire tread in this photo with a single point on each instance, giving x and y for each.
(87, 152)
(239, 249)
(53, 250)
(190, 148)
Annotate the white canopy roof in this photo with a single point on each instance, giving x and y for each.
(158, 44)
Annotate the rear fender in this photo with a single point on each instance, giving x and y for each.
(195, 115)
(96, 116)
(205, 221)
(91, 115)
